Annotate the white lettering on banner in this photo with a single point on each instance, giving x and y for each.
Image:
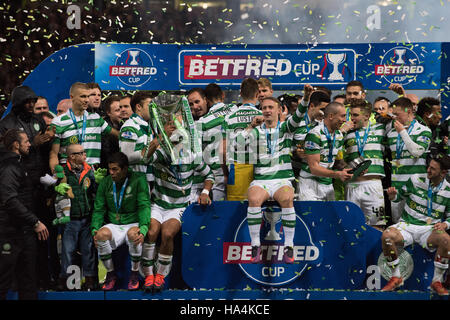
(272, 271)
(242, 253)
(216, 67)
(306, 69)
(398, 69)
(131, 71)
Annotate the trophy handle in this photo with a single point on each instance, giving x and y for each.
(194, 136)
(158, 128)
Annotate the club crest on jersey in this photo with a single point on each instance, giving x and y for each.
(271, 270)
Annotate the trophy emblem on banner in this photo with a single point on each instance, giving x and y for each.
(173, 109)
(133, 54)
(272, 217)
(336, 59)
(400, 53)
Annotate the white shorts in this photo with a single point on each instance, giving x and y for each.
(413, 233)
(312, 190)
(272, 186)
(162, 215)
(397, 210)
(119, 233)
(368, 195)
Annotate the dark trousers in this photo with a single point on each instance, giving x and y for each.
(48, 264)
(77, 234)
(18, 261)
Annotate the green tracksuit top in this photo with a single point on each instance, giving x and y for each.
(135, 205)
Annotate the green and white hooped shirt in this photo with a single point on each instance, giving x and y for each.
(234, 123)
(425, 204)
(327, 145)
(403, 163)
(137, 131)
(173, 182)
(369, 143)
(86, 130)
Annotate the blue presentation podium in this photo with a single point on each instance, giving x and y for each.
(336, 254)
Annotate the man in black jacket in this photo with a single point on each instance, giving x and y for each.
(36, 164)
(18, 224)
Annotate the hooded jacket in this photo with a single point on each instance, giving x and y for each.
(36, 162)
(16, 199)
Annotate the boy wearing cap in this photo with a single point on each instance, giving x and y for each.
(80, 177)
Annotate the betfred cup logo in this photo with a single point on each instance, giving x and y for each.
(399, 65)
(133, 67)
(271, 270)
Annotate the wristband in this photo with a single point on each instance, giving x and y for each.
(205, 191)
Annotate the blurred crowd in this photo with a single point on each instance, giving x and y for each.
(32, 31)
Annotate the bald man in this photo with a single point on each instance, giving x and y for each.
(63, 106)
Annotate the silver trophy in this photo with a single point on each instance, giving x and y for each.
(272, 217)
(173, 109)
(358, 166)
(336, 59)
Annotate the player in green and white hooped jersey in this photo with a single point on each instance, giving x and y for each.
(272, 174)
(237, 165)
(211, 132)
(409, 142)
(79, 126)
(135, 138)
(322, 145)
(366, 140)
(170, 197)
(317, 102)
(425, 218)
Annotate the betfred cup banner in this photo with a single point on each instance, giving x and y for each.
(283, 66)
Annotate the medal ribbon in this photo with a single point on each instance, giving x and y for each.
(401, 143)
(363, 143)
(83, 130)
(307, 122)
(269, 138)
(118, 202)
(431, 193)
(330, 143)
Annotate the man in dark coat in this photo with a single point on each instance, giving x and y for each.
(18, 224)
(36, 164)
